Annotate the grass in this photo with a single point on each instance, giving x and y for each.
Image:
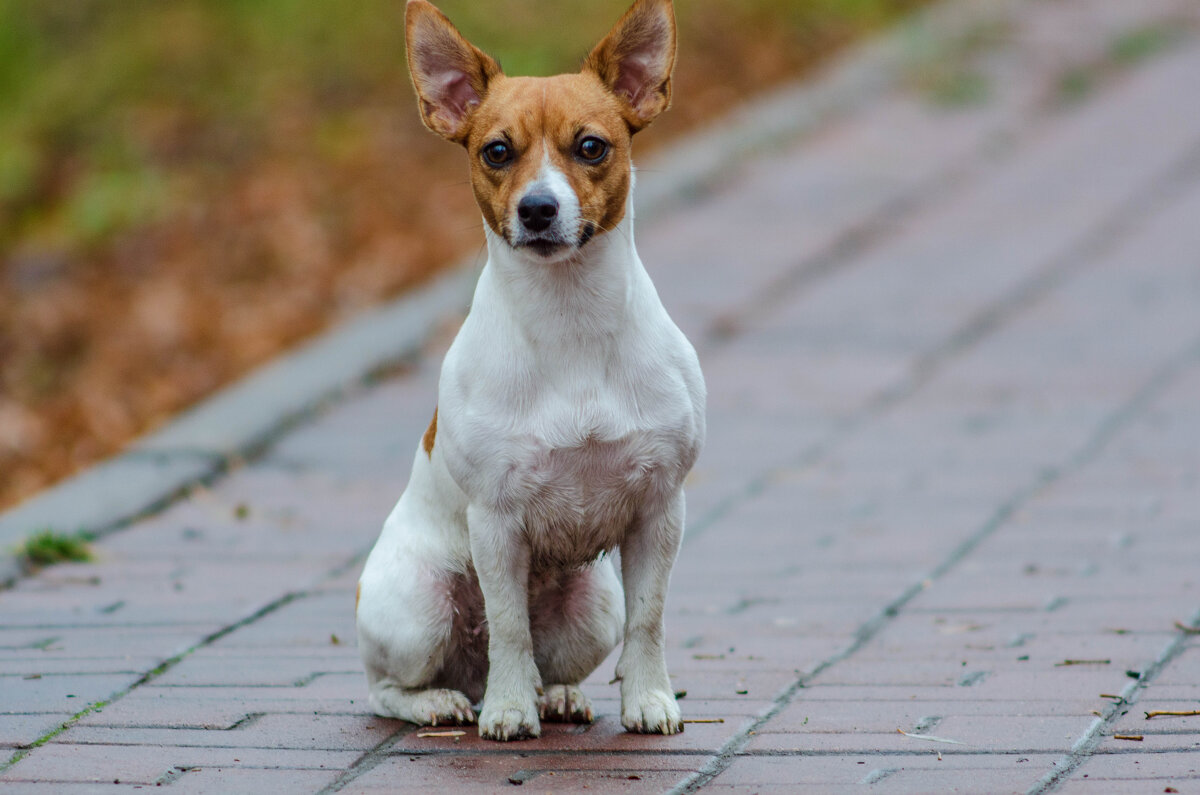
(945, 70)
(1125, 51)
(47, 547)
(1134, 46)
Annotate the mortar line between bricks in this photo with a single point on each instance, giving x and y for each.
(1129, 213)
(1140, 204)
(1085, 747)
(152, 674)
(368, 761)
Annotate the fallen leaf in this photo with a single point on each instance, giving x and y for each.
(1082, 662)
(930, 737)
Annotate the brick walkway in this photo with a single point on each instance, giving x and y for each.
(945, 535)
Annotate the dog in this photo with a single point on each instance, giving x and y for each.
(570, 409)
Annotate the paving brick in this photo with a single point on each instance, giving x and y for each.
(852, 769)
(999, 733)
(1131, 765)
(325, 687)
(215, 668)
(146, 765)
(22, 729)
(69, 787)
(66, 693)
(285, 731)
(539, 773)
(249, 781)
(923, 716)
(1154, 742)
(217, 707)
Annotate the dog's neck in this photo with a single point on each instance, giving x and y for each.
(582, 298)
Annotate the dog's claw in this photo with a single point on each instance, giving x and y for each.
(565, 704)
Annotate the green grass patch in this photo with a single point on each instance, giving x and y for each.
(1125, 50)
(1135, 46)
(47, 547)
(946, 70)
(961, 88)
(1075, 85)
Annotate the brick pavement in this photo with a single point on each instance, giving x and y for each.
(950, 488)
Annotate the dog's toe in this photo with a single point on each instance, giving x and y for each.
(443, 707)
(508, 721)
(565, 704)
(651, 712)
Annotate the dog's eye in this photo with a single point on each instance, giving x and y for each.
(592, 149)
(497, 153)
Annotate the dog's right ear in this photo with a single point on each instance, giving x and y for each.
(450, 74)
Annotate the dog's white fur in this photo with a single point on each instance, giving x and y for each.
(570, 410)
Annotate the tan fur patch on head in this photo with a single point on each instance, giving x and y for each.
(430, 435)
(357, 596)
(542, 117)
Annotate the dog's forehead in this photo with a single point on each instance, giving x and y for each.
(557, 107)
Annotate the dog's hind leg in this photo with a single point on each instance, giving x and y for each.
(576, 620)
(424, 707)
(420, 635)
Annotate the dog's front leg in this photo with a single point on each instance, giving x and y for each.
(647, 554)
(501, 559)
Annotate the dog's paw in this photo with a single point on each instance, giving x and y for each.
(442, 708)
(651, 712)
(565, 704)
(508, 720)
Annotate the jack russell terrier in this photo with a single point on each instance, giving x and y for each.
(570, 409)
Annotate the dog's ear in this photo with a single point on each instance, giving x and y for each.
(635, 60)
(450, 74)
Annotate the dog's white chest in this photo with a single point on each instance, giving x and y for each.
(578, 501)
(577, 469)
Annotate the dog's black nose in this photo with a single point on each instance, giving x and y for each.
(537, 211)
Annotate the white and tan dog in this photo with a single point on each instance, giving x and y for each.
(570, 410)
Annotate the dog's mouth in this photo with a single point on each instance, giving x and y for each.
(543, 247)
(548, 246)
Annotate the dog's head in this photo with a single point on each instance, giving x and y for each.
(550, 156)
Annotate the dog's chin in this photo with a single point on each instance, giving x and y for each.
(546, 251)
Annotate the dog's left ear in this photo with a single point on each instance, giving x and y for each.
(635, 60)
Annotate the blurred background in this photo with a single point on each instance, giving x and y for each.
(188, 187)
